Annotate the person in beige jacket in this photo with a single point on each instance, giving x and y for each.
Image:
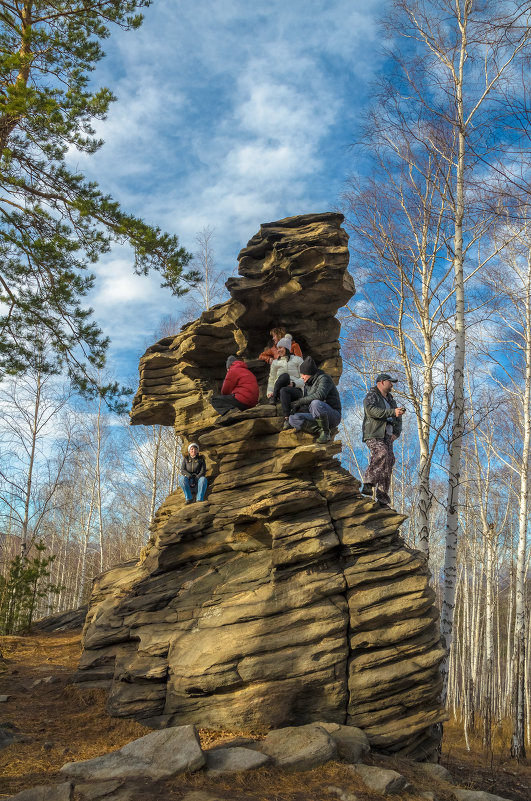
(285, 382)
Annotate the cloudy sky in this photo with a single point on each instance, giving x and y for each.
(229, 114)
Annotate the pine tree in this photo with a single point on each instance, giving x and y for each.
(53, 222)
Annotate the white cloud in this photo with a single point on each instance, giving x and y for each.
(229, 115)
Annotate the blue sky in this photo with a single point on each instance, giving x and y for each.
(229, 114)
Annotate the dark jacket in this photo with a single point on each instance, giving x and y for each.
(376, 414)
(319, 387)
(193, 467)
(241, 383)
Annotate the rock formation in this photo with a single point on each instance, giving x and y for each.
(287, 597)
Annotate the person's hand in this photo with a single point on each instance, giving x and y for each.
(399, 411)
(394, 437)
(269, 394)
(270, 360)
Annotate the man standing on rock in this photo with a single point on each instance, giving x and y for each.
(382, 424)
(320, 403)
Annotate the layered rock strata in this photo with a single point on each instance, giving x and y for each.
(287, 597)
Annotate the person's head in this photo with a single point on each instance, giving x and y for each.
(193, 449)
(277, 333)
(308, 368)
(284, 347)
(230, 360)
(385, 382)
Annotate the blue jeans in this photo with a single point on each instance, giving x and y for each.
(317, 408)
(202, 483)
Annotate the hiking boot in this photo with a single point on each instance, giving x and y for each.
(310, 427)
(366, 489)
(324, 430)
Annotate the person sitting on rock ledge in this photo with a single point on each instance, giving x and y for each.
(270, 354)
(285, 382)
(240, 388)
(193, 469)
(321, 398)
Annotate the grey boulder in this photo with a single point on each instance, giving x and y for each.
(49, 792)
(297, 748)
(158, 755)
(476, 795)
(381, 780)
(231, 760)
(351, 743)
(438, 771)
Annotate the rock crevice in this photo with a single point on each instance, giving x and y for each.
(287, 597)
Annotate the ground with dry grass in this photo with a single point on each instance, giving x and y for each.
(59, 722)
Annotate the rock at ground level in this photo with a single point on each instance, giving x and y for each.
(352, 743)
(4, 698)
(433, 769)
(62, 621)
(476, 795)
(381, 780)
(297, 748)
(93, 791)
(158, 755)
(49, 792)
(231, 760)
(202, 795)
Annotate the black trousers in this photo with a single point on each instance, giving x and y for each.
(287, 395)
(224, 403)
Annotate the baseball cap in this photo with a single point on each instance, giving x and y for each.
(385, 377)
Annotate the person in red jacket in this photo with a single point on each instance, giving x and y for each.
(239, 390)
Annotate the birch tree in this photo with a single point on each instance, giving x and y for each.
(456, 62)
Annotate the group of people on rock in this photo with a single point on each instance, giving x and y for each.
(310, 402)
(308, 396)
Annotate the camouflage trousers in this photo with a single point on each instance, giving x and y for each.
(380, 466)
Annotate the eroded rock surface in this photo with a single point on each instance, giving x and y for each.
(287, 597)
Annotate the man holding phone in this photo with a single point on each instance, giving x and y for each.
(382, 425)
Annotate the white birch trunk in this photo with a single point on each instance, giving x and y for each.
(519, 661)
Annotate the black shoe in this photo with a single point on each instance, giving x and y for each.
(324, 430)
(272, 401)
(366, 489)
(383, 498)
(189, 501)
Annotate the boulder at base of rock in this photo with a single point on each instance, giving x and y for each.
(299, 747)
(231, 760)
(158, 755)
(352, 743)
(477, 795)
(50, 792)
(439, 771)
(93, 791)
(381, 780)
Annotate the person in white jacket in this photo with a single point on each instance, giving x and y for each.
(285, 382)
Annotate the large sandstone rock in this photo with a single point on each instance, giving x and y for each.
(288, 597)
